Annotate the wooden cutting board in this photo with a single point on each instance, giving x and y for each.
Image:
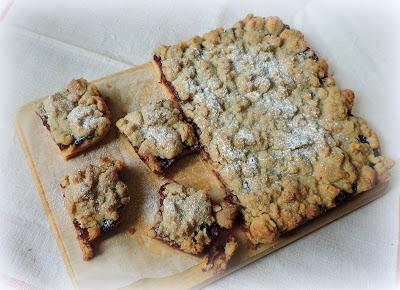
(132, 260)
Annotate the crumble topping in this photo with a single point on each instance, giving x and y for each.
(75, 114)
(185, 219)
(278, 131)
(158, 131)
(94, 197)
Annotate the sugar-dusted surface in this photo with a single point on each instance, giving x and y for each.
(185, 218)
(75, 113)
(307, 152)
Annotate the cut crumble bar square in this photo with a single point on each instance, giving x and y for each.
(159, 134)
(77, 117)
(94, 198)
(185, 219)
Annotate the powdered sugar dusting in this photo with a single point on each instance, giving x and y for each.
(277, 106)
(246, 135)
(161, 134)
(249, 99)
(154, 114)
(84, 119)
(182, 216)
(262, 65)
(228, 151)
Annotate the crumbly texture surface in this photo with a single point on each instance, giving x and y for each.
(278, 131)
(225, 212)
(94, 197)
(185, 219)
(220, 254)
(76, 117)
(159, 134)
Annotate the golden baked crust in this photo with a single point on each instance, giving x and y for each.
(159, 134)
(278, 131)
(77, 117)
(94, 197)
(185, 219)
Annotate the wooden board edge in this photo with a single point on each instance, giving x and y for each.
(43, 198)
(129, 70)
(203, 279)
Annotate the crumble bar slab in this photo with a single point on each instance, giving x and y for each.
(278, 131)
(159, 134)
(94, 197)
(77, 117)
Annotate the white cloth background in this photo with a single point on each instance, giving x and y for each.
(45, 44)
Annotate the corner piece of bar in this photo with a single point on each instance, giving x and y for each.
(77, 117)
(94, 198)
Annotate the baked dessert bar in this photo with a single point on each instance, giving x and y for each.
(94, 198)
(219, 255)
(278, 131)
(77, 117)
(185, 219)
(159, 134)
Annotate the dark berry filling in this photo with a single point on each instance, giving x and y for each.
(354, 187)
(323, 80)
(79, 141)
(229, 198)
(107, 225)
(342, 197)
(44, 121)
(362, 139)
(377, 152)
(165, 163)
(322, 207)
(211, 230)
(76, 142)
(168, 84)
(304, 54)
(82, 233)
(62, 146)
